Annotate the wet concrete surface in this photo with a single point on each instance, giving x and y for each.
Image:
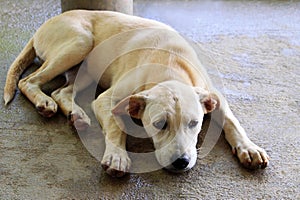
(252, 51)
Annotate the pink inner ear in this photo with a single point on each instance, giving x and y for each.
(136, 106)
(210, 103)
(132, 105)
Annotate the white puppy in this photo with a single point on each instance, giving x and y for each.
(158, 80)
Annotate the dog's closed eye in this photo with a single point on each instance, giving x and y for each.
(160, 124)
(193, 124)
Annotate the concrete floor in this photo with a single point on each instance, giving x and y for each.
(255, 47)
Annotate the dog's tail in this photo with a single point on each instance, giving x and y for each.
(25, 58)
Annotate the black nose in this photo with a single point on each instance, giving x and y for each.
(181, 162)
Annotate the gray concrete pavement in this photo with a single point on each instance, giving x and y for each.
(255, 46)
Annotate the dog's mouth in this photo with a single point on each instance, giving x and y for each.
(172, 169)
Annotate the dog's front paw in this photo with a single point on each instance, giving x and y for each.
(80, 120)
(116, 164)
(46, 107)
(251, 156)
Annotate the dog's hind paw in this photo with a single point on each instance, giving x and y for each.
(251, 156)
(47, 107)
(116, 165)
(79, 120)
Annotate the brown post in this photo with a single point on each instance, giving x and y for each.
(124, 6)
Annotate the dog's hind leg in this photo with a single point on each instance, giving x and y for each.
(65, 98)
(31, 85)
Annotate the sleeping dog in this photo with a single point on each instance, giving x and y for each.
(159, 80)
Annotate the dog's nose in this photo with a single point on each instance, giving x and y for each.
(181, 162)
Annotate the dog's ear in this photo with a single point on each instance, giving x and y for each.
(209, 101)
(133, 105)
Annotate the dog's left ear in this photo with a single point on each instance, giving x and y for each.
(209, 101)
(133, 105)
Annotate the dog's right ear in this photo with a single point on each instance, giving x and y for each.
(133, 105)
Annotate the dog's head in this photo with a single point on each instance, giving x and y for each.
(172, 115)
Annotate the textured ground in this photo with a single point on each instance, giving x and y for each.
(254, 47)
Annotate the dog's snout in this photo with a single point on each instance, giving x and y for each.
(182, 162)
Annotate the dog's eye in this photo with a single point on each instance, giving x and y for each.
(193, 124)
(161, 124)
